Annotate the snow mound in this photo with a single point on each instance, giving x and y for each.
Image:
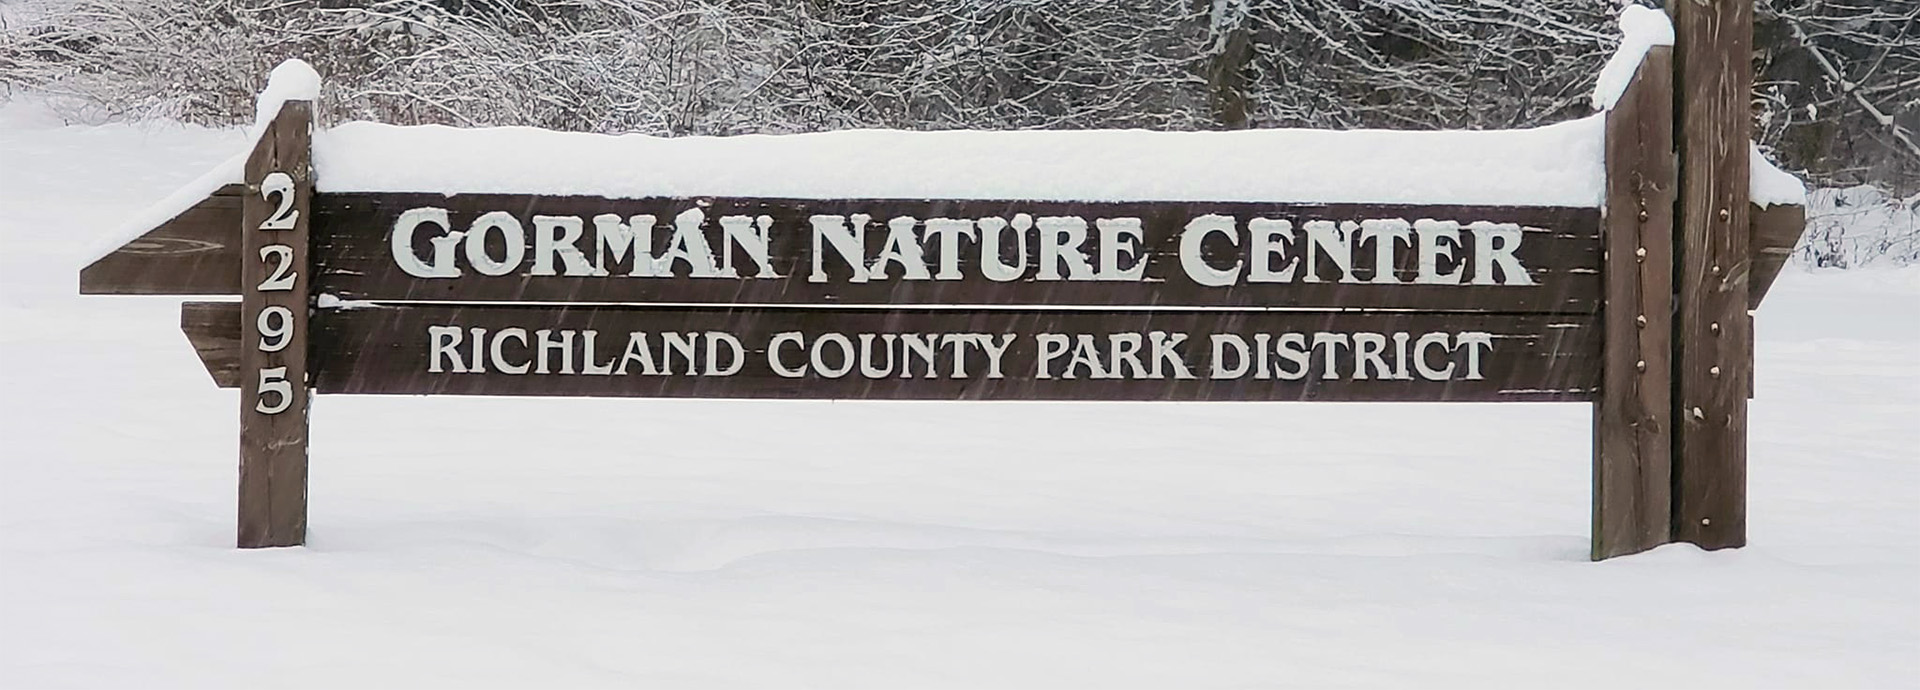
(1557, 165)
(1773, 186)
(230, 171)
(1641, 28)
(293, 80)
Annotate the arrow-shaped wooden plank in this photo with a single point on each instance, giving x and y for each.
(214, 330)
(198, 252)
(195, 253)
(1776, 231)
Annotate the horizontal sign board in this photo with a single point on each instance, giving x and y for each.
(952, 355)
(400, 247)
(197, 252)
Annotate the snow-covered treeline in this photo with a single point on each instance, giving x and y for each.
(729, 66)
(1837, 96)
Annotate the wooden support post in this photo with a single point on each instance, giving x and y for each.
(1714, 356)
(1632, 448)
(273, 326)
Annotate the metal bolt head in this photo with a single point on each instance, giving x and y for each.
(1642, 320)
(1641, 365)
(1715, 328)
(1644, 216)
(1726, 215)
(1699, 413)
(1715, 372)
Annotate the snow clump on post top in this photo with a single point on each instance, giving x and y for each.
(293, 80)
(1641, 28)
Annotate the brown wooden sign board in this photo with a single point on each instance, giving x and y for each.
(1642, 309)
(395, 247)
(198, 253)
(929, 354)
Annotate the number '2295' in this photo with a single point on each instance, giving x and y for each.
(274, 322)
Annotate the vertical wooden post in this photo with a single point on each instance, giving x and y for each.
(273, 346)
(1633, 414)
(1715, 77)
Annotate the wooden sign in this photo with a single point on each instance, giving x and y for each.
(413, 293)
(933, 354)
(790, 251)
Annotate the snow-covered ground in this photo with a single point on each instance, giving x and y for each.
(567, 543)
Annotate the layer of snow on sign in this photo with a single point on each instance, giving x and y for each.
(167, 208)
(293, 80)
(1558, 165)
(1641, 28)
(1773, 186)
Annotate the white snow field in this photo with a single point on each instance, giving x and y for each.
(472, 542)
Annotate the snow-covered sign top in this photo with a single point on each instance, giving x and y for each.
(1556, 165)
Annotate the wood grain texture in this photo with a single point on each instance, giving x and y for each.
(214, 330)
(1632, 471)
(1776, 233)
(194, 253)
(1715, 78)
(386, 350)
(1561, 249)
(273, 445)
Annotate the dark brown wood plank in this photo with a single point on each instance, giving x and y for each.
(1715, 50)
(194, 253)
(1776, 232)
(1632, 471)
(1560, 252)
(275, 277)
(392, 350)
(214, 330)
